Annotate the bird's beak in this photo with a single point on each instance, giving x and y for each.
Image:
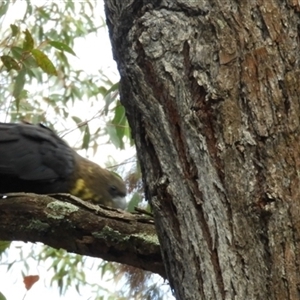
(119, 202)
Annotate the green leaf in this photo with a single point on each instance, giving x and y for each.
(62, 47)
(4, 7)
(77, 92)
(110, 96)
(17, 52)
(111, 130)
(134, 201)
(28, 43)
(4, 245)
(18, 86)
(120, 117)
(86, 138)
(29, 11)
(34, 73)
(15, 29)
(2, 296)
(120, 123)
(24, 95)
(77, 120)
(102, 90)
(114, 87)
(44, 62)
(128, 134)
(29, 62)
(10, 63)
(44, 13)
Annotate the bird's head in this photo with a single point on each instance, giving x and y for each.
(98, 185)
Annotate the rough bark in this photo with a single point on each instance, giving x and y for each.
(211, 89)
(82, 228)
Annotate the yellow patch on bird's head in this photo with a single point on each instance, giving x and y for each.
(81, 190)
(91, 182)
(79, 186)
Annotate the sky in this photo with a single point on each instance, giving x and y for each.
(11, 283)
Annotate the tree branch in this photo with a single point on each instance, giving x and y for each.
(82, 228)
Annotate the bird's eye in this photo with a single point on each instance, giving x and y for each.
(113, 190)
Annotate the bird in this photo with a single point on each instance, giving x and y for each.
(34, 159)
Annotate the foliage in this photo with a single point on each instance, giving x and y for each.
(3, 246)
(2, 297)
(39, 82)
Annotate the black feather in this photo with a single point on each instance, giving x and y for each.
(32, 153)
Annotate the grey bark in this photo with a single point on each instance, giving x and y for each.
(211, 91)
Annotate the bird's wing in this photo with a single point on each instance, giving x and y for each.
(33, 152)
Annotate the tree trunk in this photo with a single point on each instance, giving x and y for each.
(211, 90)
